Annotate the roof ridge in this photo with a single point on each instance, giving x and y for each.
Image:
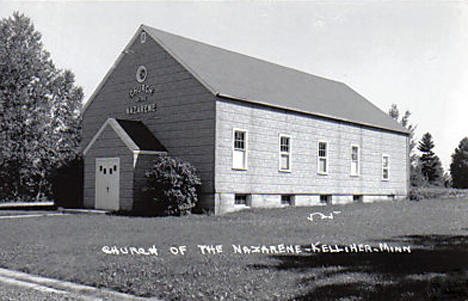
(179, 59)
(243, 54)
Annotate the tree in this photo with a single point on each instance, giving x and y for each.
(459, 165)
(431, 167)
(40, 109)
(394, 112)
(413, 158)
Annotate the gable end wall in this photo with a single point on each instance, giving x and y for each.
(185, 118)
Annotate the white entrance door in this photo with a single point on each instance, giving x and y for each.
(107, 183)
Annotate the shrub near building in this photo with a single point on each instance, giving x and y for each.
(172, 186)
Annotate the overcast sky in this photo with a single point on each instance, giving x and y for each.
(412, 54)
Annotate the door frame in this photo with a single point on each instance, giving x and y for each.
(96, 190)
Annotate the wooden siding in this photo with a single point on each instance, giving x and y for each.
(185, 118)
(264, 125)
(109, 144)
(143, 163)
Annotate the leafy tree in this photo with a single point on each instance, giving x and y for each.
(431, 167)
(459, 165)
(415, 177)
(172, 186)
(39, 107)
(394, 112)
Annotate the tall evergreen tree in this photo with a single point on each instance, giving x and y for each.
(431, 167)
(39, 111)
(459, 165)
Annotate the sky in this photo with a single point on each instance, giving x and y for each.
(413, 54)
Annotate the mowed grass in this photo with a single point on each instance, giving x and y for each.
(70, 248)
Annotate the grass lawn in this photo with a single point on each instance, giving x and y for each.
(70, 248)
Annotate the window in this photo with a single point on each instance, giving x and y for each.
(325, 199)
(287, 199)
(385, 163)
(285, 153)
(141, 74)
(322, 157)
(239, 153)
(241, 199)
(354, 160)
(358, 198)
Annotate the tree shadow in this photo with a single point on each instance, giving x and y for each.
(436, 269)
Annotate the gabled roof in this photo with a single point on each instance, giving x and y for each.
(134, 134)
(141, 135)
(229, 74)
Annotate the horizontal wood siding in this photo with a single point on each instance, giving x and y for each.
(264, 125)
(143, 163)
(185, 119)
(109, 145)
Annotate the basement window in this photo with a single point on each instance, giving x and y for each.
(241, 199)
(287, 199)
(358, 198)
(325, 198)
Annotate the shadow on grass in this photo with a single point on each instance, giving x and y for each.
(436, 269)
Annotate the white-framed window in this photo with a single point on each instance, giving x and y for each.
(355, 160)
(284, 153)
(239, 149)
(385, 167)
(322, 158)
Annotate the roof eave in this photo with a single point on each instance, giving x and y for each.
(222, 95)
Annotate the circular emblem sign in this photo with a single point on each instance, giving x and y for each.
(141, 74)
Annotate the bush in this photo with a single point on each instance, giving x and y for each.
(453, 286)
(171, 186)
(67, 184)
(421, 193)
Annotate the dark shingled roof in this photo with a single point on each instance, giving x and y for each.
(141, 135)
(243, 77)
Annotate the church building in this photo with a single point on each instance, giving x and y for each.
(259, 134)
